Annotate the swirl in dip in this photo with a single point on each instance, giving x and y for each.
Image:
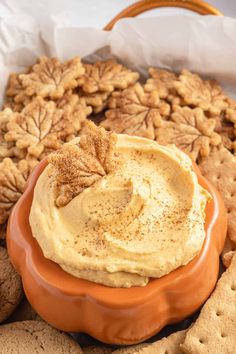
(142, 220)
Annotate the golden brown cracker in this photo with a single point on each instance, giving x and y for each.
(8, 148)
(132, 349)
(98, 100)
(11, 290)
(135, 112)
(215, 329)
(196, 92)
(227, 258)
(75, 109)
(230, 113)
(78, 166)
(170, 345)
(226, 130)
(28, 337)
(15, 92)
(228, 251)
(38, 127)
(16, 106)
(190, 130)
(13, 177)
(51, 78)
(162, 81)
(220, 169)
(106, 76)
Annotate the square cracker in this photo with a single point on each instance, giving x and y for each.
(220, 169)
(228, 252)
(170, 345)
(227, 258)
(214, 332)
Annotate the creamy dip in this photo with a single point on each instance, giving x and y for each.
(141, 221)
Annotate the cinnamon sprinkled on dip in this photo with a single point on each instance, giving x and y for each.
(141, 220)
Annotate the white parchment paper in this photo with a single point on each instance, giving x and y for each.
(205, 44)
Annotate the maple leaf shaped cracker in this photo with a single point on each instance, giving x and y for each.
(16, 98)
(38, 127)
(190, 130)
(105, 76)
(16, 106)
(135, 112)
(15, 92)
(13, 177)
(75, 108)
(51, 78)
(78, 166)
(231, 112)
(7, 148)
(196, 92)
(98, 100)
(162, 81)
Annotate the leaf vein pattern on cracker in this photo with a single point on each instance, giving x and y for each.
(79, 166)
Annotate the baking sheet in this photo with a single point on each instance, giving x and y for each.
(205, 44)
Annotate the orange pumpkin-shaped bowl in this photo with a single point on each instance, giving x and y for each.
(114, 315)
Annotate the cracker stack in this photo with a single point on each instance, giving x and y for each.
(48, 105)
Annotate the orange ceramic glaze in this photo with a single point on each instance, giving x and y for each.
(114, 315)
